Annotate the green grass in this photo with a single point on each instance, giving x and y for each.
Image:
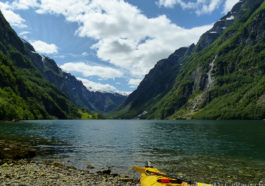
(86, 115)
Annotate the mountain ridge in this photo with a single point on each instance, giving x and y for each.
(191, 96)
(100, 102)
(24, 93)
(34, 87)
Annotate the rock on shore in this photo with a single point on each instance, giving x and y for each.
(16, 168)
(14, 151)
(33, 173)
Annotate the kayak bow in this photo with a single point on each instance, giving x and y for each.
(152, 176)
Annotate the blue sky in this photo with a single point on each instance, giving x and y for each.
(111, 44)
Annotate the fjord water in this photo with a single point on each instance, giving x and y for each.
(185, 148)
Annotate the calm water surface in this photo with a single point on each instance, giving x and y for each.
(179, 147)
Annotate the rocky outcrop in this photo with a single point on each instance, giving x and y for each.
(261, 100)
(14, 151)
(237, 13)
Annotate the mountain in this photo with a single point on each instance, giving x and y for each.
(79, 95)
(74, 89)
(221, 77)
(155, 85)
(24, 93)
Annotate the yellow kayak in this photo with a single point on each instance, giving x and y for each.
(153, 177)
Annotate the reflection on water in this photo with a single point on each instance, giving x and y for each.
(174, 146)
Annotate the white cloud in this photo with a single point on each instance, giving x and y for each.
(84, 54)
(167, 3)
(200, 6)
(124, 93)
(124, 36)
(88, 70)
(93, 86)
(24, 4)
(98, 87)
(45, 48)
(229, 5)
(24, 33)
(14, 19)
(134, 82)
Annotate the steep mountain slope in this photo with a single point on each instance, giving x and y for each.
(222, 78)
(24, 93)
(94, 101)
(155, 85)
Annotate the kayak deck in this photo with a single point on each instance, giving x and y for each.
(153, 177)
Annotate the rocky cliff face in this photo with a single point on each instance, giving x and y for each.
(94, 101)
(216, 79)
(155, 84)
(238, 13)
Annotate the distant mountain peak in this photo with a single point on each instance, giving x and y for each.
(80, 95)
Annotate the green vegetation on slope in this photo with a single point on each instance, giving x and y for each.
(87, 115)
(30, 98)
(222, 78)
(239, 71)
(24, 93)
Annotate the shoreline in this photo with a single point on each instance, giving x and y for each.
(10, 121)
(206, 168)
(17, 167)
(27, 172)
(182, 119)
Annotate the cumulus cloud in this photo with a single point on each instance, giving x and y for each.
(44, 48)
(24, 4)
(93, 86)
(229, 5)
(88, 70)
(14, 19)
(200, 6)
(130, 40)
(125, 37)
(98, 87)
(124, 93)
(134, 82)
